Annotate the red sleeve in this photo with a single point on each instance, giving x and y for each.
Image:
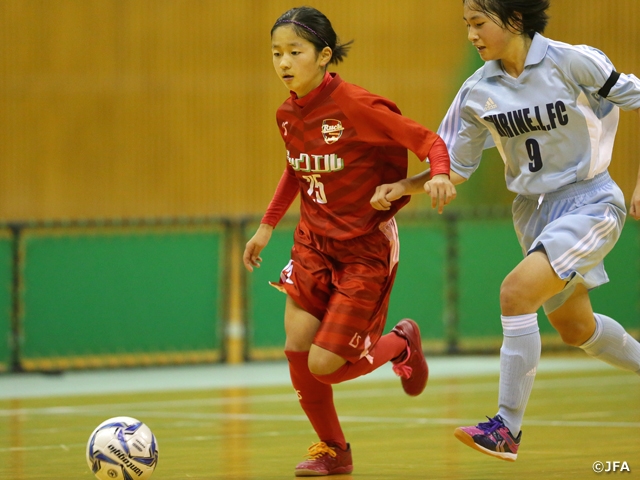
(379, 121)
(439, 158)
(286, 193)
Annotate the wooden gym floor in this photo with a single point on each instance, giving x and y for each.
(244, 422)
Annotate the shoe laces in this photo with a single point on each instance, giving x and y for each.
(402, 369)
(319, 449)
(491, 426)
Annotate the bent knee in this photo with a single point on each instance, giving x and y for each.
(513, 298)
(321, 368)
(574, 333)
(571, 339)
(296, 345)
(575, 338)
(324, 362)
(298, 340)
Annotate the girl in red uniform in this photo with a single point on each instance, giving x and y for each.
(341, 142)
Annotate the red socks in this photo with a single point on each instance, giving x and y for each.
(316, 399)
(388, 347)
(315, 392)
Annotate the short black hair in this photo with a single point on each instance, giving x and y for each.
(526, 16)
(312, 25)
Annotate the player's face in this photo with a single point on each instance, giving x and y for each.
(493, 41)
(297, 63)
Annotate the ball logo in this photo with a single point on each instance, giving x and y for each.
(331, 130)
(122, 448)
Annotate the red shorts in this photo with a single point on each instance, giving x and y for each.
(346, 284)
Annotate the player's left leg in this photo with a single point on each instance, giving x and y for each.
(349, 342)
(599, 336)
(402, 346)
(331, 454)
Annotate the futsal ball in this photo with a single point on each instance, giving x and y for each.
(122, 448)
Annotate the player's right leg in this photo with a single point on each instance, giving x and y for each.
(523, 291)
(306, 280)
(331, 454)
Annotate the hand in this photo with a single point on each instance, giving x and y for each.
(442, 191)
(634, 209)
(251, 257)
(387, 193)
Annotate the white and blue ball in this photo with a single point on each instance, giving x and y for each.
(122, 448)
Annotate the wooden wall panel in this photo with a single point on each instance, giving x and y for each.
(123, 108)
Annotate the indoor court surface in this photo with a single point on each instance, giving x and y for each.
(244, 422)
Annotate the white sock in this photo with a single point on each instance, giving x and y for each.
(519, 357)
(613, 345)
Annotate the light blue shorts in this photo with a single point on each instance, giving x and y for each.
(577, 226)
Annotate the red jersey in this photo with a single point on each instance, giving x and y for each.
(340, 146)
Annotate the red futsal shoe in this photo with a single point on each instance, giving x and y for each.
(325, 460)
(411, 366)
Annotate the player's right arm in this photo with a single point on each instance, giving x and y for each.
(252, 249)
(285, 194)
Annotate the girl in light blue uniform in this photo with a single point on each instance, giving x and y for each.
(552, 111)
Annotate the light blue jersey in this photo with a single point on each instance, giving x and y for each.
(554, 125)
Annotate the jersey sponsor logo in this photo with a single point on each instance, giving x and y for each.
(525, 120)
(490, 105)
(329, 162)
(331, 130)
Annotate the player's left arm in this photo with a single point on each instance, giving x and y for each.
(595, 72)
(634, 208)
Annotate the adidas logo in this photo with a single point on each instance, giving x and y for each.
(490, 105)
